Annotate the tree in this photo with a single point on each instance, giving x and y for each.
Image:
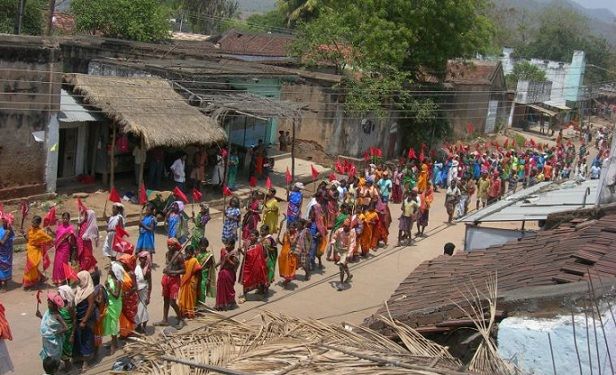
(32, 21)
(296, 11)
(209, 16)
(140, 20)
(525, 71)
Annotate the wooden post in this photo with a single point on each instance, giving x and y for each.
(20, 16)
(142, 147)
(112, 158)
(224, 177)
(293, 150)
(52, 7)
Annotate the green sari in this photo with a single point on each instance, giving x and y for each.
(234, 162)
(272, 256)
(67, 347)
(207, 285)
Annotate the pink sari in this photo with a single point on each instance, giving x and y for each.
(63, 251)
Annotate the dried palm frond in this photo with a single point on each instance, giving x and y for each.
(486, 359)
(285, 345)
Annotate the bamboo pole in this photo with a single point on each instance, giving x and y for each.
(577, 351)
(112, 158)
(221, 370)
(142, 164)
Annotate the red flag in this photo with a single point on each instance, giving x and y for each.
(352, 170)
(421, 156)
(80, 206)
(268, 183)
(496, 144)
(513, 144)
(114, 196)
(121, 245)
(378, 152)
(1, 209)
(69, 272)
(532, 142)
(287, 177)
(433, 153)
(226, 191)
(179, 194)
(506, 144)
(339, 167)
(197, 195)
(371, 150)
(332, 177)
(366, 156)
(470, 129)
(411, 154)
(252, 181)
(50, 218)
(315, 173)
(25, 207)
(143, 195)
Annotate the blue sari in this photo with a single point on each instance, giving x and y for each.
(52, 339)
(6, 255)
(146, 237)
(294, 206)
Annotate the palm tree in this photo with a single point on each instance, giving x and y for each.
(298, 10)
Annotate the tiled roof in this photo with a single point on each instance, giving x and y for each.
(63, 23)
(255, 44)
(563, 255)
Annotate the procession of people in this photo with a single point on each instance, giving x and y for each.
(344, 219)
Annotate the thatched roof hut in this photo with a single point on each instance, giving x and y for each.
(148, 108)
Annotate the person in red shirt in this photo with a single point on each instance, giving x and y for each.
(495, 188)
(547, 171)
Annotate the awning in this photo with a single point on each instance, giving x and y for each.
(543, 110)
(560, 105)
(71, 111)
(537, 202)
(148, 108)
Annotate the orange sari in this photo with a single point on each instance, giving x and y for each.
(187, 299)
(287, 261)
(130, 300)
(365, 240)
(422, 181)
(36, 251)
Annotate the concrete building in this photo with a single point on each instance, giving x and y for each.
(31, 77)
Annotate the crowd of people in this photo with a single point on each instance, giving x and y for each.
(346, 218)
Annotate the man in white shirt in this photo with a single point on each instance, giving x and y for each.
(178, 168)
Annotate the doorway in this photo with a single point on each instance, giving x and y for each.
(67, 152)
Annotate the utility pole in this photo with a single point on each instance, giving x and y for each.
(52, 7)
(20, 16)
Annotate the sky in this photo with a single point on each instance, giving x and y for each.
(598, 4)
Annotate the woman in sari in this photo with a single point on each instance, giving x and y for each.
(187, 297)
(87, 236)
(203, 217)
(287, 261)
(316, 215)
(53, 328)
(225, 284)
(36, 253)
(332, 207)
(370, 219)
(85, 319)
(6, 249)
(234, 162)
(130, 296)
(422, 180)
(252, 216)
(269, 244)
(67, 312)
(143, 276)
(116, 219)
(270, 211)
(176, 223)
(396, 193)
(294, 208)
(253, 273)
(207, 283)
(65, 239)
(113, 286)
(147, 226)
(425, 201)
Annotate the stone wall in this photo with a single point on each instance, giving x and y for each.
(30, 98)
(325, 123)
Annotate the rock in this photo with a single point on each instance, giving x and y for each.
(80, 195)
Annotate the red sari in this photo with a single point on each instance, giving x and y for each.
(251, 219)
(85, 255)
(225, 291)
(254, 268)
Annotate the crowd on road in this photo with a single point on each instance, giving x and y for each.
(344, 219)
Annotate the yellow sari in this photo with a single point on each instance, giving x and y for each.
(287, 261)
(270, 215)
(422, 181)
(36, 251)
(187, 299)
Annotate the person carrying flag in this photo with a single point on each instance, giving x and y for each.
(116, 219)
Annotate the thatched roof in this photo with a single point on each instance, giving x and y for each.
(148, 108)
(246, 103)
(284, 345)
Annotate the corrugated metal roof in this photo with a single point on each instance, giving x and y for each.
(537, 202)
(71, 111)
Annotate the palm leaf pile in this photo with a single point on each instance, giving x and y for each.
(285, 345)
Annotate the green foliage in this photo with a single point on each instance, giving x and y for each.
(297, 11)
(422, 124)
(524, 71)
(140, 20)
(211, 16)
(272, 21)
(32, 21)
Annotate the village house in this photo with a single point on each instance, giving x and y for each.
(538, 285)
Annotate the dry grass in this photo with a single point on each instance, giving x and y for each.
(148, 108)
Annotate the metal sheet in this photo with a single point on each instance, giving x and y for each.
(537, 202)
(477, 237)
(71, 111)
(541, 109)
